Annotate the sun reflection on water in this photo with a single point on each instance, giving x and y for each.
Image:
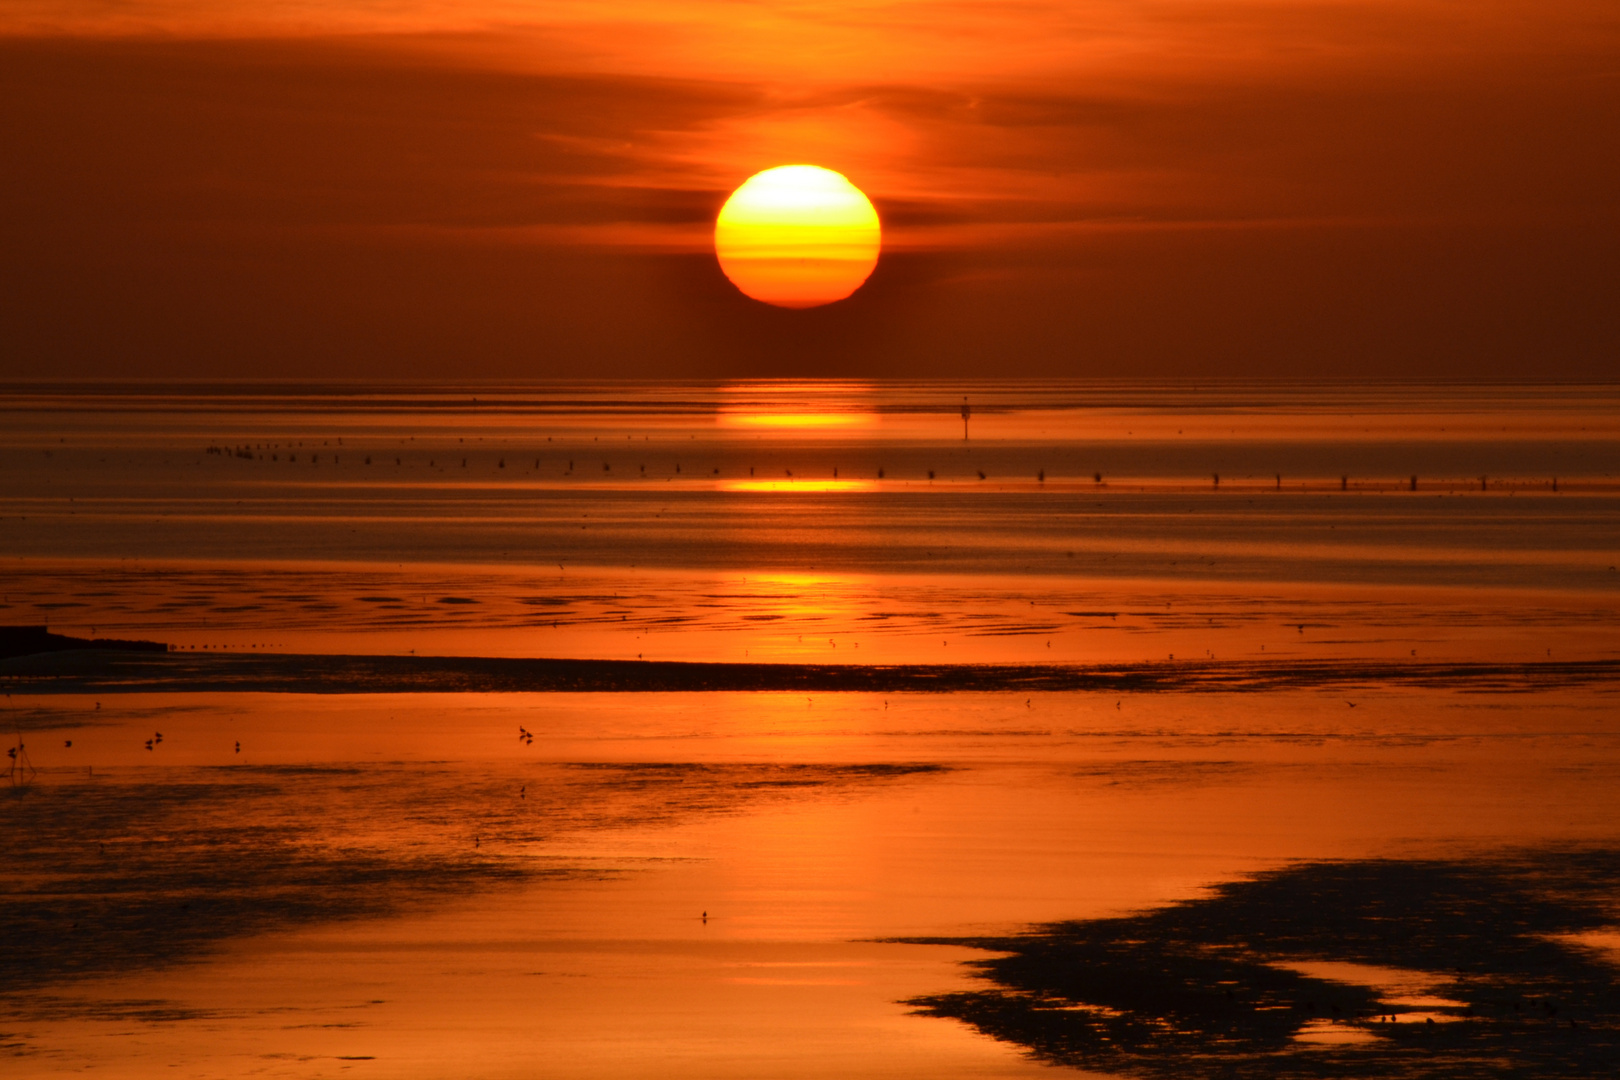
(798, 485)
(798, 406)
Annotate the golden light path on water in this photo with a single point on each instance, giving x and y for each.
(796, 421)
(799, 407)
(802, 486)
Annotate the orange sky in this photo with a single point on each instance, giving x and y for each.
(527, 189)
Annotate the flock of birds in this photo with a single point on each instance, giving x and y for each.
(157, 739)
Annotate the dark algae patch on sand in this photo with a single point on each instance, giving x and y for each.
(34, 640)
(68, 673)
(1294, 973)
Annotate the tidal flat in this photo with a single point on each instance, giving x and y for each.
(725, 875)
(602, 731)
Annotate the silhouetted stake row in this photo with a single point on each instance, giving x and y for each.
(1444, 485)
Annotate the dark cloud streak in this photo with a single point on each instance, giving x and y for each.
(309, 134)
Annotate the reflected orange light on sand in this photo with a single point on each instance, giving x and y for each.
(797, 236)
(811, 617)
(798, 485)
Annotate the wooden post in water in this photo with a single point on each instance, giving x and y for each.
(967, 411)
(21, 770)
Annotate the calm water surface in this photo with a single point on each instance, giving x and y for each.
(499, 885)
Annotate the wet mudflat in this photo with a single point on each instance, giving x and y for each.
(719, 882)
(733, 731)
(145, 868)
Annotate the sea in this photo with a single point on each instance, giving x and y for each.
(1339, 669)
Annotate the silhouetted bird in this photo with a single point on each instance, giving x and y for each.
(67, 742)
(238, 746)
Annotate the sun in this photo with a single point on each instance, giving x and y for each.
(797, 236)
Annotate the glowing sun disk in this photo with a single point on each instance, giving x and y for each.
(797, 236)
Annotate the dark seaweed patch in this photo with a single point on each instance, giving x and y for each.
(1202, 988)
(111, 672)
